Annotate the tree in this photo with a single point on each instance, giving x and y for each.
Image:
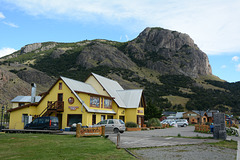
(151, 111)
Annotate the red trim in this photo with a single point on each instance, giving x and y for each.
(42, 94)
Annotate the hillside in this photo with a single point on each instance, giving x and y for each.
(167, 64)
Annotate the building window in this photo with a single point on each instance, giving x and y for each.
(107, 103)
(94, 102)
(103, 117)
(122, 118)
(25, 119)
(109, 117)
(21, 104)
(60, 86)
(60, 97)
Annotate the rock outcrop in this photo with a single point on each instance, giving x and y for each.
(102, 54)
(168, 52)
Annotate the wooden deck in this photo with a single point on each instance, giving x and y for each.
(31, 131)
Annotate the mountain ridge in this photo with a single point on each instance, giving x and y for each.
(162, 62)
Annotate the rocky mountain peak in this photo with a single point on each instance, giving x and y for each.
(169, 52)
(164, 38)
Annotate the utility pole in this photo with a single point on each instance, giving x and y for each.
(1, 119)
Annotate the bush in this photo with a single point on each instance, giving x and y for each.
(131, 125)
(232, 131)
(153, 122)
(207, 123)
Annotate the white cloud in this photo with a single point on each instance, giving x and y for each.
(127, 37)
(235, 58)
(214, 25)
(6, 51)
(11, 24)
(1, 15)
(238, 67)
(223, 66)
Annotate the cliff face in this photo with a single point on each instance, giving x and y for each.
(168, 52)
(162, 50)
(16, 79)
(102, 54)
(154, 52)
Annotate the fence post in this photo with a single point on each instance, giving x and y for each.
(78, 134)
(118, 140)
(103, 130)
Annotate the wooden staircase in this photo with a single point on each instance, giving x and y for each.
(52, 107)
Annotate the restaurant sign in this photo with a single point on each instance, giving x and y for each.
(95, 131)
(73, 108)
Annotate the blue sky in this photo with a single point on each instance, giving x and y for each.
(212, 24)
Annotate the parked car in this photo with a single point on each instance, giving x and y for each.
(182, 122)
(43, 123)
(115, 125)
(171, 122)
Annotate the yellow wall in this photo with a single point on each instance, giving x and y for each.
(16, 119)
(129, 114)
(14, 105)
(91, 80)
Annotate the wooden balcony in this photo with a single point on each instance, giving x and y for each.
(55, 105)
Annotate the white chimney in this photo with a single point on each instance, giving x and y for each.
(33, 93)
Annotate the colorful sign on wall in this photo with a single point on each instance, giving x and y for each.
(94, 101)
(107, 103)
(73, 108)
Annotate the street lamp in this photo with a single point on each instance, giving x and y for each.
(1, 119)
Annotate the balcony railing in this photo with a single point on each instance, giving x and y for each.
(55, 105)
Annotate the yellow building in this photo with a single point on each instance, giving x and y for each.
(73, 101)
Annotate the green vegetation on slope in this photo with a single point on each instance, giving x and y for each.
(199, 94)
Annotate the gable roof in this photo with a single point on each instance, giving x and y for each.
(114, 89)
(79, 86)
(201, 113)
(179, 114)
(131, 98)
(25, 99)
(74, 86)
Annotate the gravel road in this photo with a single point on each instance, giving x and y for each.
(187, 152)
(174, 148)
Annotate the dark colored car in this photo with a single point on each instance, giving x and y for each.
(43, 123)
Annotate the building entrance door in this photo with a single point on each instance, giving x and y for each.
(60, 97)
(59, 120)
(122, 118)
(93, 119)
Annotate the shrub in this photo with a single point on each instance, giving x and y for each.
(207, 123)
(131, 125)
(153, 122)
(232, 131)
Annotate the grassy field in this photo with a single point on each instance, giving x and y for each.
(226, 144)
(45, 146)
